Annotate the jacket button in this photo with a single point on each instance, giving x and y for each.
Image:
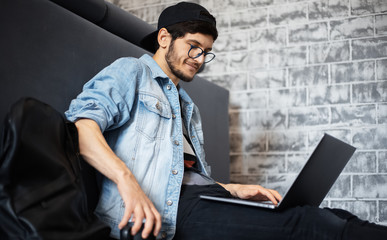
(164, 235)
(176, 143)
(173, 116)
(169, 202)
(174, 172)
(169, 87)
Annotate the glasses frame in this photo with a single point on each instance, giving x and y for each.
(202, 52)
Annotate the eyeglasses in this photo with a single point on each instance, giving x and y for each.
(195, 52)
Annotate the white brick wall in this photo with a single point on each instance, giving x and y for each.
(296, 69)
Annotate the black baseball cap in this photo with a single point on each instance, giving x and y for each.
(181, 12)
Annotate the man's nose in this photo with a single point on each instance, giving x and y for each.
(200, 59)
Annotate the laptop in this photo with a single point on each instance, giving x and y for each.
(315, 179)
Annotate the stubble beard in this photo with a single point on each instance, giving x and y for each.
(170, 58)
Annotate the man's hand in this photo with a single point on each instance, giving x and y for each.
(138, 205)
(253, 192)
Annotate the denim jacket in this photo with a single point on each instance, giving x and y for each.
(137, 108)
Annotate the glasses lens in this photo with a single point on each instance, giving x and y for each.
(194, 52)
(209, 57)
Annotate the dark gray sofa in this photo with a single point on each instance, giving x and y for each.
(49, 49)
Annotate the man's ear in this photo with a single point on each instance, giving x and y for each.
(164, 38)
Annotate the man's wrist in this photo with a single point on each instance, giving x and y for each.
(229, 187)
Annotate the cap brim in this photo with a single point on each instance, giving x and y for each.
(149, 42)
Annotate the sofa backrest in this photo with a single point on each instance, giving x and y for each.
(49, 49)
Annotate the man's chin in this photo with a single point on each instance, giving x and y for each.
(184, 77)
(187, 79)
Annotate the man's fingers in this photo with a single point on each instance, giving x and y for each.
(149, 222)
(138, 217)
(157, 226)
(270, 196)
(276, 194)
(125, 218)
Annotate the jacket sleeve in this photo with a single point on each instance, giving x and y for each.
(108, 97)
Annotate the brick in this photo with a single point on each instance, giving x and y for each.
(238, 120)
(257, 120)
(267, 119)
(268, 38)
(249, 142)
(236, 164)
(382, 113)
(337, 94)
(247, 100)
(370, 138)
(288, 14)
(261, 3)
(370, 186)
(231, 82)
(341, 188)
(218, 65)
(360, 7)
(369, 92)
(381, 69)
(312, 116)
(383, 211)
(324, 204)
(369, 48)
(222, 22)
(287, 141)
(381, 24)
(276, 119)
(135, 3)
(231, 42)
(267, 79)
(308, 76)
(254, 142)
(149, 14)
(382, 160)
(257, 59)
(354, 115)
(256, 100)
(362, 162)
(280, 182)
(352, 28)
(289, 56)
(287, 98)
(247, 19)
(308, 33)
(325, 9)
(329, 52)
(366, 210)
(221, 6)
(296, 162)
(353, 72)
(236, 142)
(265, 163)
(247, 179)
(248, 60)
(316, 135)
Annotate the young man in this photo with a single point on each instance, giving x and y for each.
(143, 133)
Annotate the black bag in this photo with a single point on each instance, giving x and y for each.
(42, 185)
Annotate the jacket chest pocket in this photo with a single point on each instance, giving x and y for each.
(153, 115)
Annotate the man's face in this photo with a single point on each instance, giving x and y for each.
(179, 63)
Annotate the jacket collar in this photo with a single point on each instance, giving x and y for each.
(157, 72)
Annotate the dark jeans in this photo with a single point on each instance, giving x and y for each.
(204, 219)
